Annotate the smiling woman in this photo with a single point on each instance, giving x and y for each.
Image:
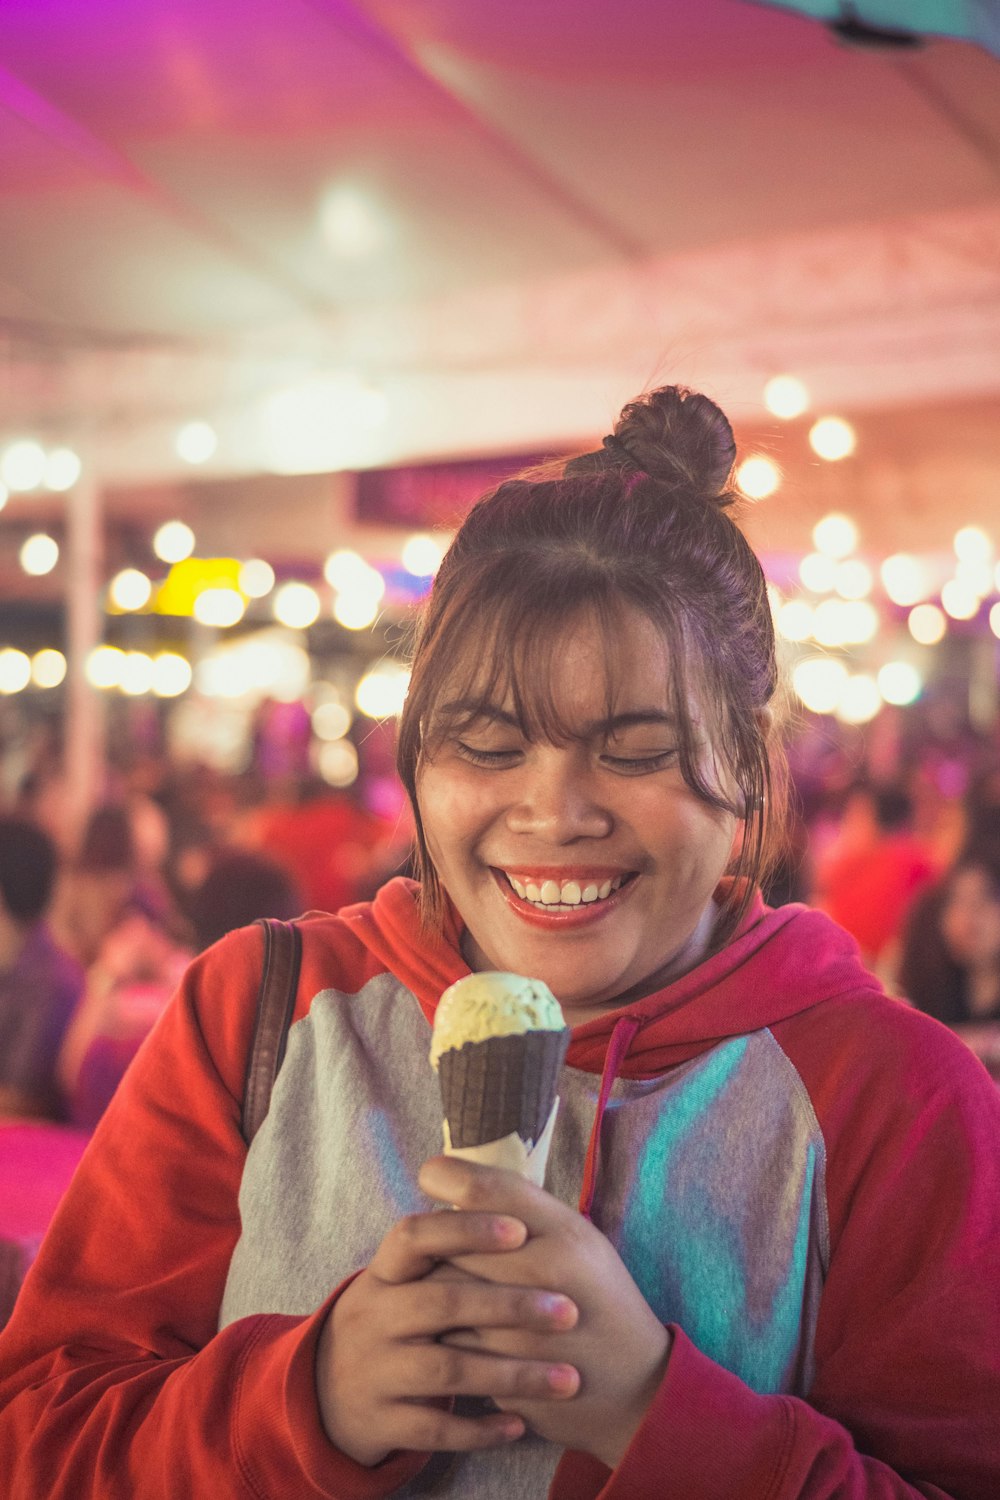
(758, 1157)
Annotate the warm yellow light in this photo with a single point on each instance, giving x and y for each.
(136, 674)
(256, 578)
(973, 545)
(22, 466)
(977, 576)
(130, 589)
(4, 495)
(900, 683)
(853, 579)
(835, 535)
(337, 762)
(995, 619)
(15, 670)
(196, 442)
(927, 624)
(48, 668)
(331, 721)
(786, 396)
(817, 572)
(348, 573)
(104, 666)
(819, 682)
(832, 438)
(795, 620)
(173, 541)
(296, 605)
(381, 693)
(860, 699)
(171, 674)
(62, 469)
(960, 601)
(422, 555)
(39, 554)
(356, 611)
(905, 579)
(221, 608)
(758, 477)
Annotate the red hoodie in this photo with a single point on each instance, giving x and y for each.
(878, 1375)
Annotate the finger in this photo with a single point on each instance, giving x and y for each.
(434, 1307)
(424, 1429)
(475, 1188)
(424, 1371)
(415, 1244)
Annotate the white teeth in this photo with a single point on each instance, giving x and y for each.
(566, 893)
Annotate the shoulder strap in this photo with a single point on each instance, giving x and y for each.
(279, 983)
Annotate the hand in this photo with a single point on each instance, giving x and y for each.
(617, 1344)
(384, 1375)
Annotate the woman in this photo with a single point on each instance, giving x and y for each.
(950, 964)
(763, 1262)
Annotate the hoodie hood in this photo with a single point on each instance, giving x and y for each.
(778, 963)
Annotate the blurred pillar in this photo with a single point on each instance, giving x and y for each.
(84, 731)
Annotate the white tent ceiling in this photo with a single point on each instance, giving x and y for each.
(360, 232)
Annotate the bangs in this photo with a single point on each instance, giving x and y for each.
(511, 659)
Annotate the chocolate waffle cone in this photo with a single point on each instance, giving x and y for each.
(501, 1086)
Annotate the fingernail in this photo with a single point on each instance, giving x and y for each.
(512, 1430)
(563, 1379)
(510, 1231)
(554, 1305)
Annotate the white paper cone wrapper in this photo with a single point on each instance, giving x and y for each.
(510, 1152)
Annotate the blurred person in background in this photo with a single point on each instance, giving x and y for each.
(950, 960)
(867, 879)
(137, 968)
(239, 887)
(40, 984)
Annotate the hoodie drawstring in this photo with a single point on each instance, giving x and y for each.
(621, 1040)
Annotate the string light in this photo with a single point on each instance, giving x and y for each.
(832, 438)
(786, 396)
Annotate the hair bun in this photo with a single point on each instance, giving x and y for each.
(679, 438)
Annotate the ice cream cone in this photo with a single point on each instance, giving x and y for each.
(499, 1044)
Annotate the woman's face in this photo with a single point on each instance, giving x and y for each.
(970, 918)
(590, 865)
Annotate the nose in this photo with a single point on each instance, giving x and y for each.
(558, 800)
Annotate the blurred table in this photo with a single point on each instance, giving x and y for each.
(37, 1160)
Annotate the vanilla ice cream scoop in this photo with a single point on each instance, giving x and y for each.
(498, 1047)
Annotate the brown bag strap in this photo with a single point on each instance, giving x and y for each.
(279, 982)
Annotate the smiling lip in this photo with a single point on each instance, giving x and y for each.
(562, 916)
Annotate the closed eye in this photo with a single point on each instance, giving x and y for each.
(638, 765)
(497, 759)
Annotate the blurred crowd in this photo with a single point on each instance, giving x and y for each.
(900, 843)
(96, 931)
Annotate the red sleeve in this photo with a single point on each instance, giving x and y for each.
(114, 1381)
(906, 1393)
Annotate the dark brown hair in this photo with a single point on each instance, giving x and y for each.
(640, 524)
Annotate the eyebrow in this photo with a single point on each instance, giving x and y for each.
(476, 708)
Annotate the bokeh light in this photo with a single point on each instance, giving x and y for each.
(130, 589)
(836, 535)
(173, 541)
(15, 670)
(296, 605)
(758, 477)
(786, 396)
(39, 554)
(832, 438)
(48, 668)
(927, 624)
(819, 682)
(900, 683)
(196, 442)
